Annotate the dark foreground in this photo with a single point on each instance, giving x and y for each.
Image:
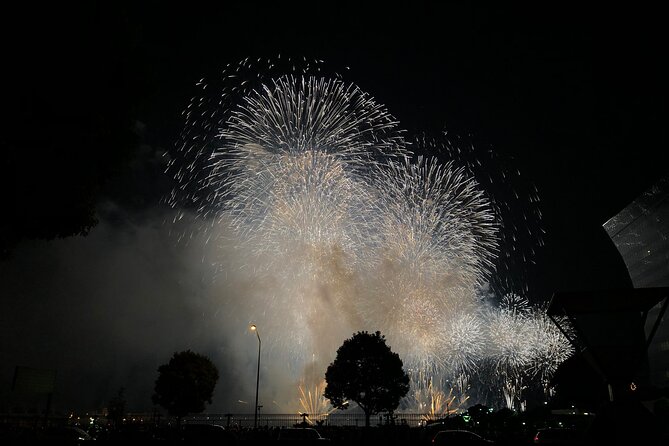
(437, 434)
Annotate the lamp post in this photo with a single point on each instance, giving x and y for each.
(255, 415)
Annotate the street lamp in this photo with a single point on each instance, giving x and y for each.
(255, 415)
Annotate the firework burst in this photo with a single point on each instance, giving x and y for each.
(550, 346)
(510, 345)
(336, 228)
(432, 401)
(436, 221)
(313, 403)
(435, 240)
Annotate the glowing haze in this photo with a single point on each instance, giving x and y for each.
(320, 218)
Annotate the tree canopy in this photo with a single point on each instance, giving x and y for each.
(69, 132)
(368, 373)
(185, 384)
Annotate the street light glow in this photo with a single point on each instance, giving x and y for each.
(253, 327)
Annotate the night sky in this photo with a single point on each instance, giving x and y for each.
(92, 97)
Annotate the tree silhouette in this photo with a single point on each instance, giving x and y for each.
(185, 384)
(368, 373)
(62, 148)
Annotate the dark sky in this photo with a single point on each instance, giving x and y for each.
(574, 96)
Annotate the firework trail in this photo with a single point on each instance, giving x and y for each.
(313, 403)
(335, 227)
(431, 400)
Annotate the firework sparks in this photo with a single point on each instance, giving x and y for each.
(313, 403)
(435, 218)
(337, 229)
(432, 402)
(510, 342)
(436, 238)
(550, 346)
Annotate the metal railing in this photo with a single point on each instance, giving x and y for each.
(289, 420)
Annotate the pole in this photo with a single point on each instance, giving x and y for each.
(255, 416)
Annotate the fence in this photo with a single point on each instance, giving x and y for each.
(241, 421)
(288, 420)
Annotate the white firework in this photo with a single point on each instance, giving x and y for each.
(510, 344)
(435, 236)
(435, 221)
(466, 345)
(550, 346)
(337, 230)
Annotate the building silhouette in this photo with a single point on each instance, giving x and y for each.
(640, 232)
